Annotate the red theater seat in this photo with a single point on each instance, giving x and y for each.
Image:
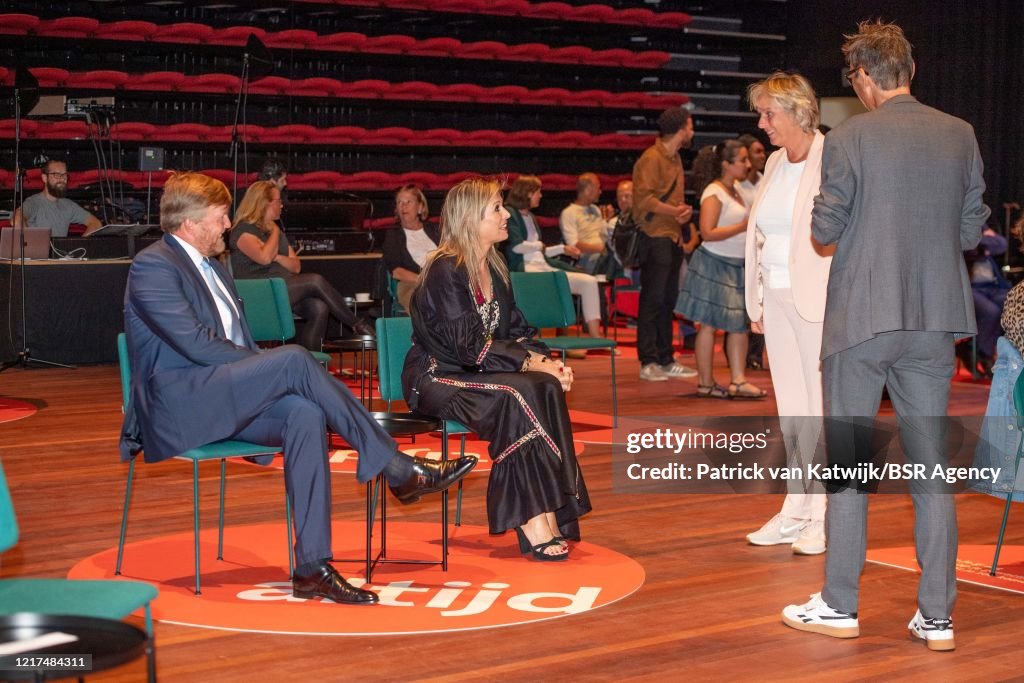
(49, 77)
(423, 179)
(342, 42)
(510, 7)
(67, 27)
(651, 59)
(372, 180)
(292, 39)
(528, 52)
(483, 49)
(508, 94)
(364, 90)
(673, 19)
(441, 136)
(437, 47)
(486, 138)
(613, 57)
(315, 180)
(636, 15)
(270, 85)
(555, 96)
(188, 33)
(569, 138)
(390, 44)
(461, 92)
(28, 128)
(600, 14)
(290, 134)
(101, 80)
(340, 135)
(575, 54)
(233, 35)
(527, 138)
(156, 80)
(212, 83)
(133, 130)
(187, 132)
(318, 86)
(393, 135)
(63, 130)
(125, 30)
(227, 176)
(558, 11)
(412, 90)
(17, 24)
(559, 181)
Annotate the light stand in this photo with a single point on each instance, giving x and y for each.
(256, 64)
(25, 87)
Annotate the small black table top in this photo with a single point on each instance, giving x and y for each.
(111, 643)
(406, 424)
(363, 342)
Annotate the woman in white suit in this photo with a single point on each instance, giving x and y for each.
(786, 281)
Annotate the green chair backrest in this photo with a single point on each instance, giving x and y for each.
(126, 370)
(263, 309)
(540, 298)
(1018, 400)
(8, 522)
(394, 339)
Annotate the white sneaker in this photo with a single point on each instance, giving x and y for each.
(676, 370)
(652, 372)
(818, 617)
(811, 540)
(778, 530)
(936, 633)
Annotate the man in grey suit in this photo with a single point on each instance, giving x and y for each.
(901, 197)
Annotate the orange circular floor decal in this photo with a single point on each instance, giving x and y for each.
(12, 409)
(488, 583)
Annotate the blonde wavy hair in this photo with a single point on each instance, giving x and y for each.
(463, 210)
(253, 208)
(793, 93)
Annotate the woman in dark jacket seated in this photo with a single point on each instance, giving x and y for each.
(474, 359)
(260, 250)
(408, 245)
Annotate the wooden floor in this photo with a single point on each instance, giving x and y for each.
(709, 609)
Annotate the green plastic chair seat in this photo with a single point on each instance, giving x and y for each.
(228, 449)
(269, 312)
(455, 427)
(102, 599)
(573, 343)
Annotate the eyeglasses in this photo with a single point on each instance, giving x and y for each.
(56, 176)
(853, 72)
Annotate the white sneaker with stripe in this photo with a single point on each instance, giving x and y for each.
(817, 617)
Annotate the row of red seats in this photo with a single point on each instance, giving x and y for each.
(302, 134)
(300, 39)
(558, 11)
(314, 180)
(384, 222)
(224, 84)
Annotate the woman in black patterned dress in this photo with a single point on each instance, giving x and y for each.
(474, 359)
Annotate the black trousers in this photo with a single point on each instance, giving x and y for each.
(660, 259)
(313, 298)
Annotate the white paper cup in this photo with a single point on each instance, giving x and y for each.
(362, 296)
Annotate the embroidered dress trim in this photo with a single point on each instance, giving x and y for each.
(537, 431)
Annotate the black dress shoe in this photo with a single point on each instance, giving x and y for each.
(364, 329)
(431, 476)
(326, 582)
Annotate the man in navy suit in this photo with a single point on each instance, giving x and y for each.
(197, 377)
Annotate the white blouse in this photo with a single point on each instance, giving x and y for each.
(775, 221)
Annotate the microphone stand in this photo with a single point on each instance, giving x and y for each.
(256, 64)
(23, 81)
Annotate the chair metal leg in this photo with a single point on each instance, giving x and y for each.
(150, 648)
(615, 397)
(124, 517)
(444, 502)
(1006, 508)
(291, 545)
(220, 515)
(458, 497)
(195, 517)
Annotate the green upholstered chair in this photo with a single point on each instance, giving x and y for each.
(99, 599)
(221, 450)
(394, 339)
(1018, 406)
(546, 302)
(269, 312)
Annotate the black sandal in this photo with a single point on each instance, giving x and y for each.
(712, 391)
(736, 390)
(538, 550)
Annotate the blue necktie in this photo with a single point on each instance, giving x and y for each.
(236, 335)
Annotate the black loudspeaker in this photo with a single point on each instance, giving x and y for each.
(151, 159)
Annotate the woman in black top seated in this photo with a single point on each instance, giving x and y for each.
(260, 250)
(474, 359)
(408, 245)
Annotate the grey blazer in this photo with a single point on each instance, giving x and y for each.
(901, 197)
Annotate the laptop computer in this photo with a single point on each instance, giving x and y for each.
(36, 240)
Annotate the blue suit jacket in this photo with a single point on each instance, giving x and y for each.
(182, 393)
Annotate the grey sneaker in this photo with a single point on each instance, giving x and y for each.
(652, 372)
(678, 371)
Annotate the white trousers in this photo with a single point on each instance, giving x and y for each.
(585, 287)
(794, 345)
